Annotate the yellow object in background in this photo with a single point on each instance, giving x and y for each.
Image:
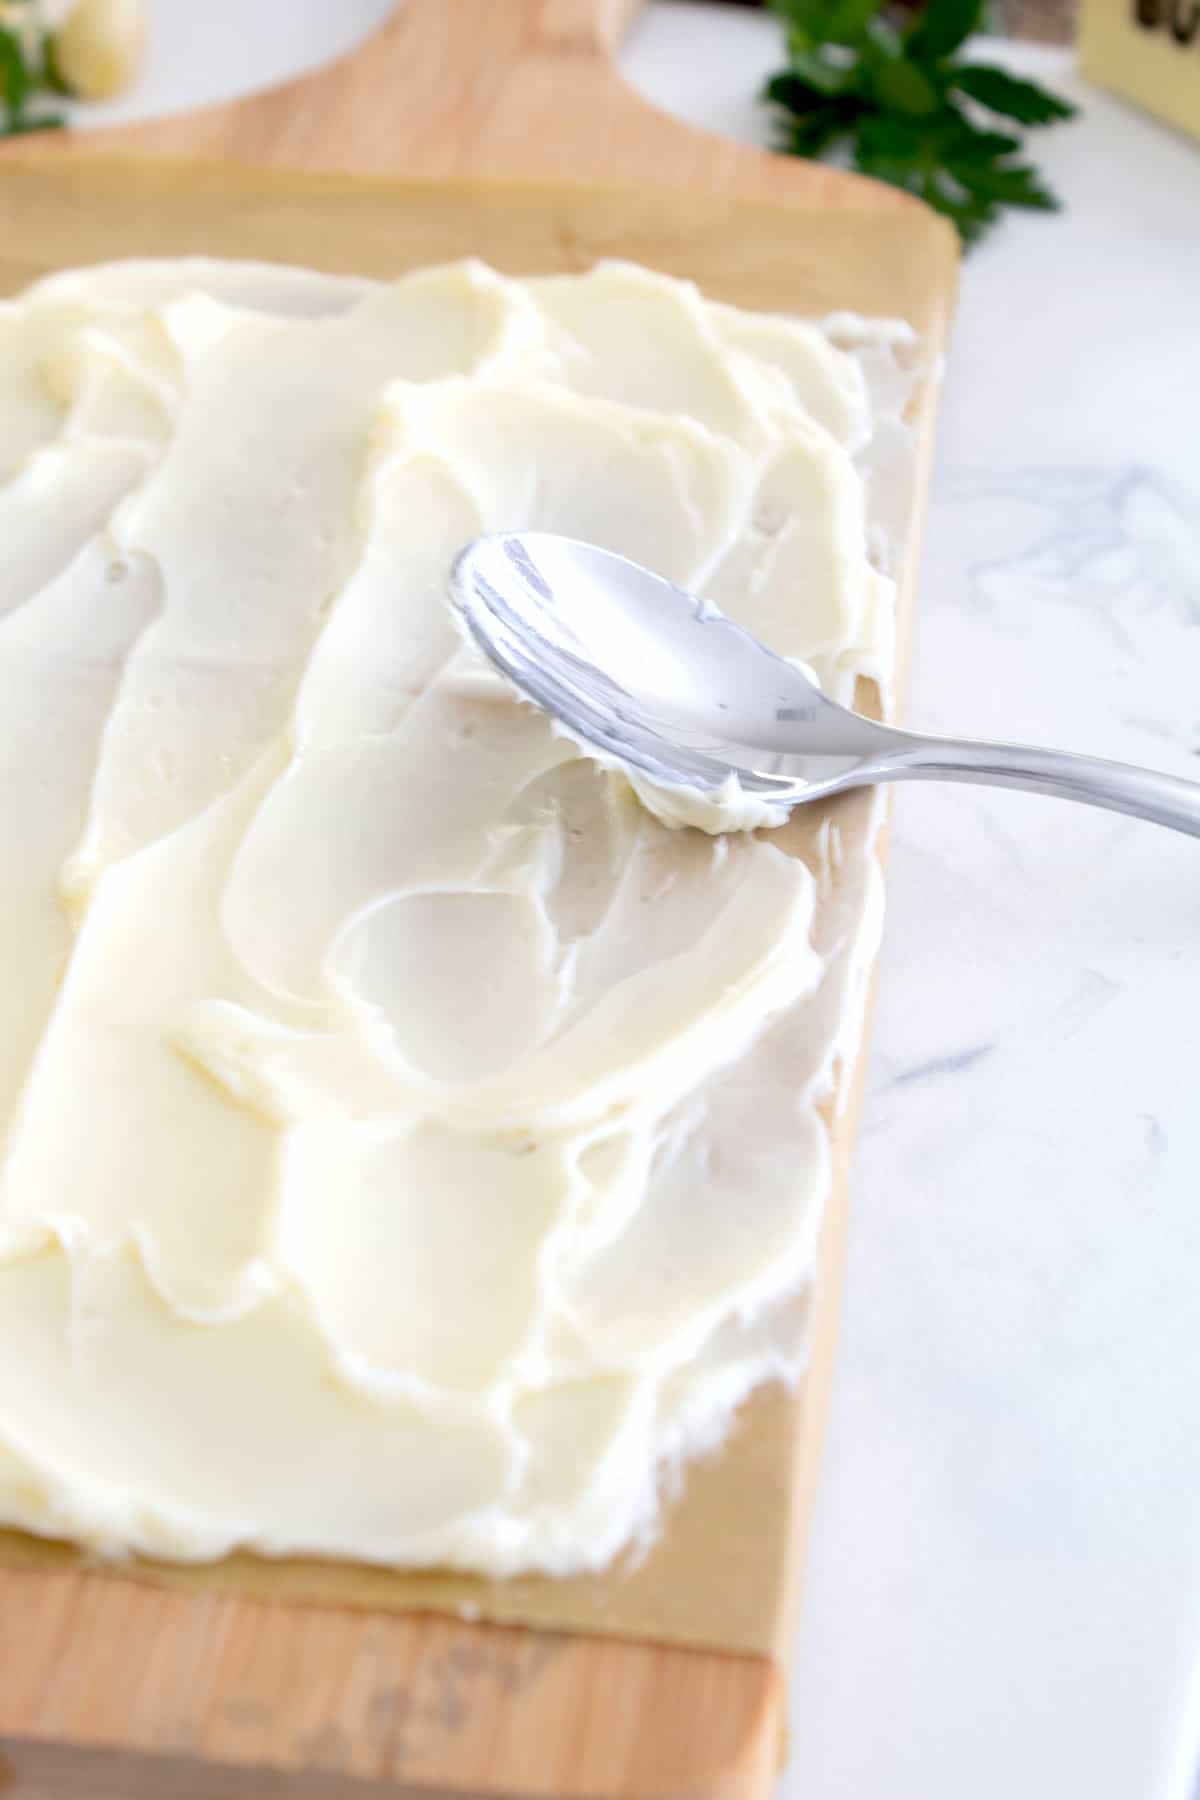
(1147, 50)
(100, 47)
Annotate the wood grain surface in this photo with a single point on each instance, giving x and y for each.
(492, 88)
(112, 1686)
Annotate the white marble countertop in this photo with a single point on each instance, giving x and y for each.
(1004, 1594)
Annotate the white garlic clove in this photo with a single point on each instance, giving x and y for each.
(100, 47)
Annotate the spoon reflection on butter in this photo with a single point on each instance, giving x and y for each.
(712, 727)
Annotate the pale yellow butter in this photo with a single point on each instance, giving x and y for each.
(409, 1144)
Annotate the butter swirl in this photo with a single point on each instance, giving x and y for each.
(409, 1144)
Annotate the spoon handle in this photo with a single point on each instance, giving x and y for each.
(1164, 799)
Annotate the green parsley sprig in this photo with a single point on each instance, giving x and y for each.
(26, 72)
(909, 109)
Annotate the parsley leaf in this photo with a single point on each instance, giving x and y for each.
(942, 28)
(23, 76)
(903, 106)
(15, 79)
(1003, 93)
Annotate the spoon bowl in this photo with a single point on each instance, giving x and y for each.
(649, 676)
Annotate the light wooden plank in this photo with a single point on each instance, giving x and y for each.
(111, 1687)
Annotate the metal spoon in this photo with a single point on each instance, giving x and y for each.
(664, 683)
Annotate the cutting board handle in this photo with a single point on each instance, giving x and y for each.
(588, 27)
(483, 86)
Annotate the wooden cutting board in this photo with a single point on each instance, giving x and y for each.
(112, 1687)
